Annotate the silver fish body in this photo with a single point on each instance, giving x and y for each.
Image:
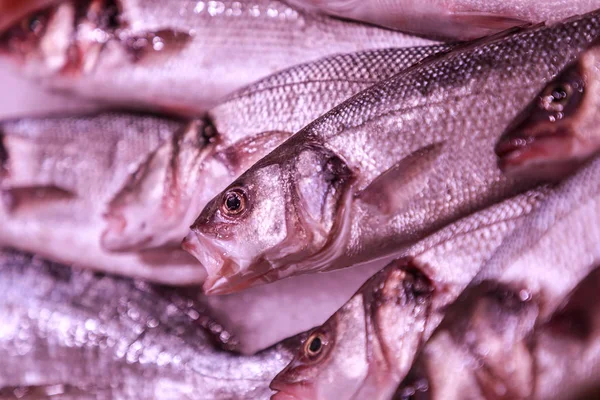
(388, 166)
(75, 331)
(183, 57)
(125, 187)
(58, 175)
(532, 309)
(464, 19)
(373, 340)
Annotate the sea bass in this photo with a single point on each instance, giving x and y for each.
(558, 131)
(368, 346)
(505, 351)
(386, 167)
(183, 57)
(464, 19)
(126, 187)
(498, 331)
(71, 331)
(58, 174)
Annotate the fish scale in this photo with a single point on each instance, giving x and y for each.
(206, 50)
(114, 338)
(452, 107)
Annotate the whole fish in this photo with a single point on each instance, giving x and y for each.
(122, 189)
(559, 129)
(367, 347)
(68, 330)
(463, 19)
(182, 57)
(523, 285)
(386, 167)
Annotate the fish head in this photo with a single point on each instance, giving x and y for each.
(41, 39)
(560, 129)
(332, 362)
(367, 347)
(283, 210)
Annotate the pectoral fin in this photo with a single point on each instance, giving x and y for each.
(241, 155)
(394, 188)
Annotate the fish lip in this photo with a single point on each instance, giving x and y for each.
(212, 258)
(511, 146)
(290, 391)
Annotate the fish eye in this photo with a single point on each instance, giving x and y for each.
(34, 24)
(556, 97)
(314, 345)
(234, 202)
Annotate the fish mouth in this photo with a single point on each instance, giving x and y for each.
(524, 149)
(287, 391)
(225, 275)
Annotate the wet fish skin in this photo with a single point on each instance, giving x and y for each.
(128, 340)
(58, 176)
(558, 131)
(526, 281)
(459, 19)
(391, 317)
(399, 134)
(138, 206)
(183, 58)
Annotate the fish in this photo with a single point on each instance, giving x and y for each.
(457, 19)
(125, 187)
(368, 346)
(519, 294)
(13, 10)
(68, 330)
(557, 132)
(386, 167)
(504, 350)
(183, 58)
(57, 175)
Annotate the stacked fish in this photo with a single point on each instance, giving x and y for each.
(184, 157)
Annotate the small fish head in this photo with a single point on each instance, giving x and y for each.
(40, 41)
(561, 128)
(332, 362)
(367, 346)
(282, 211)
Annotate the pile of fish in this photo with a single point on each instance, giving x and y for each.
(300, 199)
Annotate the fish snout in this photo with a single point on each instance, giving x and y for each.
(287, 390)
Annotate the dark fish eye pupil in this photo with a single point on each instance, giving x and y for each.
(315, 345)
(233, 202)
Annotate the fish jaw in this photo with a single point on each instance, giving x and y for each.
(224, 274)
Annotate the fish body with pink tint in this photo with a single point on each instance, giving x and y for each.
(384, 326)
(386, 167)
(131, 184)
(528, 327)
(182, 57)
(459, 19)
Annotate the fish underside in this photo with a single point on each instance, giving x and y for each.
(183, 57)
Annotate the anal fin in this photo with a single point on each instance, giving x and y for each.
(395, 187)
